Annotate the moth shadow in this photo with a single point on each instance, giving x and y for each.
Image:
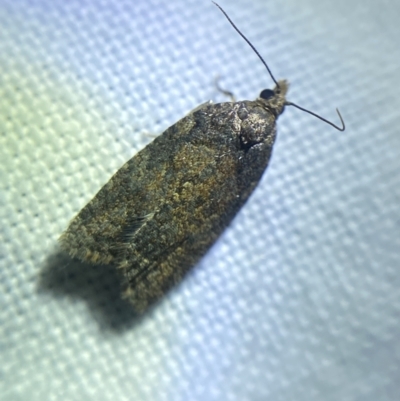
(98, 285)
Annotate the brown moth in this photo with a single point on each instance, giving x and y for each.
(163, 209)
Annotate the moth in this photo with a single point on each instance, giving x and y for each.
(163, 209)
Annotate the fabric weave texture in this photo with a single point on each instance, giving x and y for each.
(299, 299)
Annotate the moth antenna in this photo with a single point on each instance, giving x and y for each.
(276, 82)
(248, 42)
(321, 118)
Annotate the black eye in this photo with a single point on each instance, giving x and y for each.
(267, 94)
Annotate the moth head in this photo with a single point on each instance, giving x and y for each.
(275, 99)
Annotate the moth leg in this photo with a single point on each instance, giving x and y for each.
(135, 224)
(200, 106)
(224, 91)
(151, 135)
(128, 234)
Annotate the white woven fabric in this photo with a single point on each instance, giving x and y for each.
(299, 299)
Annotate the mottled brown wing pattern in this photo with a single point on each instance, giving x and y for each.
(166, 206)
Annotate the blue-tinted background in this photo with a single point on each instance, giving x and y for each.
(299, 299)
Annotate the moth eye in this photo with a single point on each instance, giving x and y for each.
(267, 94)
